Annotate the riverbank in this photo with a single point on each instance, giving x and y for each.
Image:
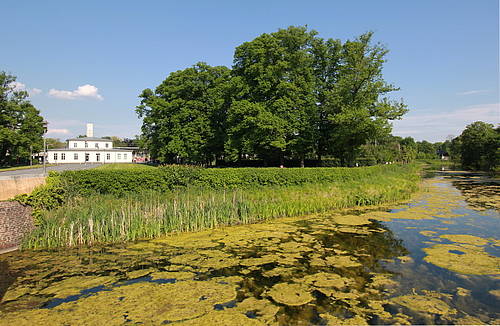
(108, 218)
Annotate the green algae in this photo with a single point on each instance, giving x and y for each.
(173, 275)
(342, 261)
(424, 304)
(333, 320)
(290, 294)
(465, 238)
(263, 309)
(463, 292)
(465, 259)
(139, 273)
(469, 320)
(495, 293)
(428, 233)
(224, 318)
(166, 302)
(324, 279)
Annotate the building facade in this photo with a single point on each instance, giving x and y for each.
(90, 149)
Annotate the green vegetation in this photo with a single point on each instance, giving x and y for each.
(128, 166)
(208, 199)
(133, 178)
(21, 126)
(388, 149)
(479, 146)
(289, 95)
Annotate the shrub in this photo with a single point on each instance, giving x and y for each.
(44, 197)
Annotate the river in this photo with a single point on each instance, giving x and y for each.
(432, 260)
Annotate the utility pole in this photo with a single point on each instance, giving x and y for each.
(44, 156)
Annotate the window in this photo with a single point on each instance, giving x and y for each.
(75, 156)
(86, 145)
(75, 144)
(97, 157)
(124, 156)
(55, 156)
(108, 156)
(87, 157)
(107, 145)
(96, 145)
(63, 156)
(119, 156)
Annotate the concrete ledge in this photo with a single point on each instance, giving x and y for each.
(7, 250)
(15, 185)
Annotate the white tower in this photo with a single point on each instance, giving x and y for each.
(90, 130)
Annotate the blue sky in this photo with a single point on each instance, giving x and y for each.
(88, 61)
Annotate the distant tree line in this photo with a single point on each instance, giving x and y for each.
(289, 95)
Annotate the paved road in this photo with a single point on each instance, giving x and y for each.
(39, 171)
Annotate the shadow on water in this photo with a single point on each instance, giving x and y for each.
(7, 278)
(342, 267)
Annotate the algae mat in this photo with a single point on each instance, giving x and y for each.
(342, 268)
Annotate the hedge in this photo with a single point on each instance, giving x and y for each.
(122, 181)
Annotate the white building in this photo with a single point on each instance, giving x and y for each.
(89, 149)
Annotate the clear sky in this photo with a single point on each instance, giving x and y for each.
(87, 61)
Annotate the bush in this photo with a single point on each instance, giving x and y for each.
(45, 197)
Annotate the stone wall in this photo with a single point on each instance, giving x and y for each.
(15, 222)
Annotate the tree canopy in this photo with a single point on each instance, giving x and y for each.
(479, 146)
(21, 126)
(289, 94)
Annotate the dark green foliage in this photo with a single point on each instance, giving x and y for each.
(21, 126)
(184, 118)
(480, 146)
(426, 150)
(122, 181)
(388, 149)
(45, 197)
(290, 95)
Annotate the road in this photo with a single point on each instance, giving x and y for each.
(39, 171)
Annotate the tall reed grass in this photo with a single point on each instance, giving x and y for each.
(108, 219)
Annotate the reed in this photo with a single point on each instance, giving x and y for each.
(85, 221)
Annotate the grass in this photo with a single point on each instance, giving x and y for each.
(108, 219)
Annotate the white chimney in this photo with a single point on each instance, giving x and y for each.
(90, 130)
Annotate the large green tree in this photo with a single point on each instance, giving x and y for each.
(480, 146)
(21, 126)
(184, 118)
(289, 94)
(274, 112)
(352, 97)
